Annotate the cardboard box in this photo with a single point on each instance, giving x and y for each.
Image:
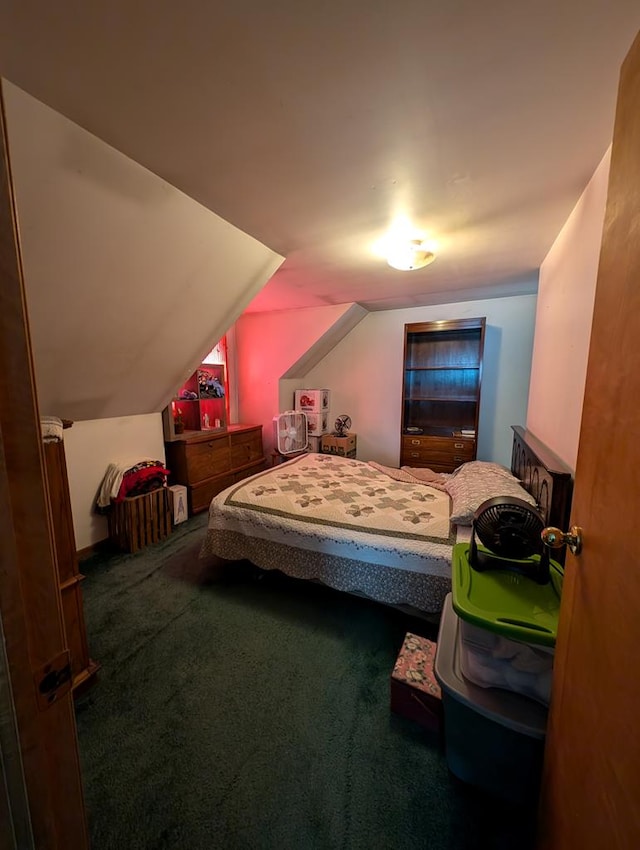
(178, 493)
(314, 444)
(317, 424)
(343, 446)
(312, 401)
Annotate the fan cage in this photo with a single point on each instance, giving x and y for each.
(510, 529)
(291, 432)
(342, 425)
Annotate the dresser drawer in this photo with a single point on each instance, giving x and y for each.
(446, 445)
(246, 448)
(201, 494)
(434, 460)
(442, 454)
(416, 454)
(257, 466)
(438, 455)
(207, 459)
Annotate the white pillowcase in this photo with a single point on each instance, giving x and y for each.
(473, 483)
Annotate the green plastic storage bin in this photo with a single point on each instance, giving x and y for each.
(507, 603)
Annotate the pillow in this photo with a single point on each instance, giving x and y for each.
(481, 466)
(473, 483)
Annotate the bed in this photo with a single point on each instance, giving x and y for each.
(382, 533)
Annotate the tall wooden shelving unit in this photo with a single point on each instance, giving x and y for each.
(83, 667)
(441, 393)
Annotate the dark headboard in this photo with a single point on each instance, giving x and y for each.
(544, 475)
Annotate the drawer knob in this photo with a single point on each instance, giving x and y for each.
(458, 445)
(415, 454)
(457, 457)
(415, 442)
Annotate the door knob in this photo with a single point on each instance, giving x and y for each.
(556, 539)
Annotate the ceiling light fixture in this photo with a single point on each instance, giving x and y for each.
(409, 255)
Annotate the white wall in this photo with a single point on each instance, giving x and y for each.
(90, 446)
(564, 314)
(364, 373)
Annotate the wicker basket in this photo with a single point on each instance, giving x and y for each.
(137, 521)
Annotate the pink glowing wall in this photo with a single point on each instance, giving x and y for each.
(267, 346)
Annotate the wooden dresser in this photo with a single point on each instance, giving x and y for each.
(83, 667)
(208, 461)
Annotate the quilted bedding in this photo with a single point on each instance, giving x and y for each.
(343, 522)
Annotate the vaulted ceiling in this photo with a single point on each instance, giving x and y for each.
(310, 125)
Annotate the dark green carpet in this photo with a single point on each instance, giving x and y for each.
(254, 713)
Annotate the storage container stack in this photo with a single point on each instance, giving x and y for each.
(315, 403)
(494, 664)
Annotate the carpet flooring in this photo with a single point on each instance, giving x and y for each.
(252, 711)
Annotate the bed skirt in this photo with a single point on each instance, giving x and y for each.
(392, 586)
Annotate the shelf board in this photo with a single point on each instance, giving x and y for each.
(440, 368)
(456, 399)
(435, 431)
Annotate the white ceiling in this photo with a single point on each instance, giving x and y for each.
(309, 125)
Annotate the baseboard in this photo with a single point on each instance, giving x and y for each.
(98, 546)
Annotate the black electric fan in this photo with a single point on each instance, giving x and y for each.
(510, 530)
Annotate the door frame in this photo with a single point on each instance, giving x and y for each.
(30, 606)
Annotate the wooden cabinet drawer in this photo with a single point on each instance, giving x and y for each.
(258, 466)
(246, 448)
(415, 453)
(201, 494)
(427, 458)
(442, 454)
(207, 459)
(443, 445)
(439, 455)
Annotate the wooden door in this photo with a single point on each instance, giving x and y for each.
(29, 602)
(591, 784)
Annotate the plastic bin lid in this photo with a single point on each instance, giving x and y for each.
(509, 709)
(507, 603)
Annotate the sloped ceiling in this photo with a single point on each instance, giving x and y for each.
(129, 282)
(309, 125)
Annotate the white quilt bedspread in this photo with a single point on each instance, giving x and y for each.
(341, 507)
